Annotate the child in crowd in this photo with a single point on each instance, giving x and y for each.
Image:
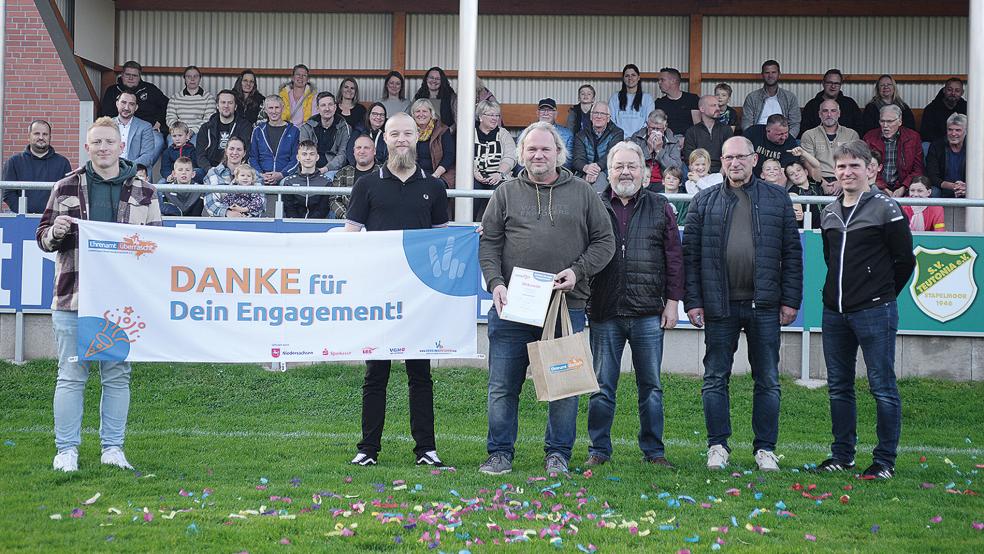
(672, 179)
(307, 206)
(245, 204)
(182, 203)
(699, 163)
(923, 218)
(729, 117)
(798, 183)
(142, 173)
(181, 148)
(772, 172)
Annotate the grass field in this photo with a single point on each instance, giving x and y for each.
(232, 458)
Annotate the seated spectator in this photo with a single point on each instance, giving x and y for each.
(182, 203)
(273, 148)
(495, 152)
(698, 167)
(772, 140)
(923, 218)
(306, 206)
(900, 149)
(798, 181)
(233, 156)
(437, 89)
(771, 99)
(298, 95)
(152, 103)
(729, 116)
(820, 141)
(482, 92)
(772, 173)
(193, 106)
(249, 100)
(672, 179)
(949, 100)
(946, 163)
(372, 126)
(348, 104)
(394, 94)
(329, 131)
(244, 204)
(591, 147)
(37, 163)
(630, 105)
(435, 142)
(660, 146)
(680, 107)
(136, 135)
(214, 135)
(850, 113)
(809, 163)
(886, 92)
(579, 116)
(181, 147)
(709, 134)
(365, 163)
(547, 111)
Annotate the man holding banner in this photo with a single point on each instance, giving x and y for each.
(106, 189)
(550, 221)
(398, 196)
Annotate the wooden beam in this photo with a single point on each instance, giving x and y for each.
(398, 59)
(848, 78)
(696, 52)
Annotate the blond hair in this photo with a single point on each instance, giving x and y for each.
(106, 121)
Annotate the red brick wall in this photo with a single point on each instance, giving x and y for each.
(36, 85)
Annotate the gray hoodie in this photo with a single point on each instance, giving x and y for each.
(546, 228)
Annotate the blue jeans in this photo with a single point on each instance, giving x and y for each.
(508, 360)
(70, 388)
(761, 326)
(874, 331)
(645, 335)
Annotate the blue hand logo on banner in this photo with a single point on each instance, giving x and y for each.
(446, 260)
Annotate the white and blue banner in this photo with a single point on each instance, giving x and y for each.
(194, 295)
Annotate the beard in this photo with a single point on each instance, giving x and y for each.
(626, 189)
(403, 161)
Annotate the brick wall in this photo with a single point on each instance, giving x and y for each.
(36, 85)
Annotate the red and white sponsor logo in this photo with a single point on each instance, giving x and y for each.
(369, 349)
(275, 352)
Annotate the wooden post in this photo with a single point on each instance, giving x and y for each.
(696, 52)
(398, 61)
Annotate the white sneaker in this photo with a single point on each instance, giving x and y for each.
(717, 457)
(363, 459)
(113, 456)
(430, 458)
(66, 460)
(766, 460)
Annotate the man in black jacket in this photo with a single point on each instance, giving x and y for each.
(214, 134)
(151, 102)
(867, 246)
(744, 271)
(949, 100)
(38, 162)
(850, 113)
(633, 299)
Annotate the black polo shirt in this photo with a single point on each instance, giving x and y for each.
(382, 202)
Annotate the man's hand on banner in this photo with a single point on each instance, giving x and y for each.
(499, 298)
(446, 263)
(565, 280)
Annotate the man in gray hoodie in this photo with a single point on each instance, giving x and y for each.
(544, 220)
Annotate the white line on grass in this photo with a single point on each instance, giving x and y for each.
(354, 437)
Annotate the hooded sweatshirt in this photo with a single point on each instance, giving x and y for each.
(546, 228)
(933, 127)
(104, 194)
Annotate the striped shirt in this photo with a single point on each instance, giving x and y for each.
(191, 109)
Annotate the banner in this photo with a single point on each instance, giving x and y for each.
(186, 295)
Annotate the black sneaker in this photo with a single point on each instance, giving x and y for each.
(833, 464)
(364, 459)
(878, 471)
(429, 458)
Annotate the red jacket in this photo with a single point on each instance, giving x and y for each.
(908, 156)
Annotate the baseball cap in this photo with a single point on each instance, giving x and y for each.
(548, 103)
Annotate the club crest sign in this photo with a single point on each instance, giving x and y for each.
(944, 287)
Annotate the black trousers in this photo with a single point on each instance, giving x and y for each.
(374, 405)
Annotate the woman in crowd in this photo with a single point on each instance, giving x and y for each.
(299, 96)
(495, 151)
(394, 94)
(482, 92)
(249, 100)
(193, 105)
(578, 117)
(348, 104)
(630, 105)
(437, 89)
(435, 144)
(373, 126)
(222, 174)
(886, 92)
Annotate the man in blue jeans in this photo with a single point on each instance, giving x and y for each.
(633, 299)
(867, 246)
(744, 271)
(545, 220)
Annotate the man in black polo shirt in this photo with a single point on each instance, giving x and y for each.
(398, 196)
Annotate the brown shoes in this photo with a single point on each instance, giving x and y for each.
(594, 461)
(660, 461)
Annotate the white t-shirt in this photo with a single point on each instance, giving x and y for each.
(770, 107)
(125, 137)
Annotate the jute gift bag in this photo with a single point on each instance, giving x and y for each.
(561, 366)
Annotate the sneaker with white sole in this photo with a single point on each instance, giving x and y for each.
(429, 458)
(767, 460)
(113, 456)
(717, 457)
(363, 459)
(66, 460)
(497, 464)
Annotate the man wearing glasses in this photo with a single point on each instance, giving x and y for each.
(591, 147)
(151, 102)
(850, 113)
(546, 110)
(744, 271)
(900, 149)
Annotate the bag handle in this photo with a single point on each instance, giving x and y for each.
(558, 306)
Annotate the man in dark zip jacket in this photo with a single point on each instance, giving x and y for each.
(867, 246)
(633, 299)
(214, 134)
(744, 270)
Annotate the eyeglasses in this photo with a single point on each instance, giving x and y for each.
(376, 114)
(832, 83)
(492, 115)
(135, 75)
(888, 121)
(619, 168)
(736, 157)
(603, 114)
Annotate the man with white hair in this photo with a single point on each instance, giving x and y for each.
(633, 299)
(545, 220)
(900, 149)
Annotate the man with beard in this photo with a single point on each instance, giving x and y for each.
(850, 113)
(821, 141)
(398, 196)
(633, 299)
(769, 100)
(949, 100)
(38, 162)
(213, 136)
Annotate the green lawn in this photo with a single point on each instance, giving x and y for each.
(232, 458)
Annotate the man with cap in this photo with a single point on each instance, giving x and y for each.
(546, 110)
